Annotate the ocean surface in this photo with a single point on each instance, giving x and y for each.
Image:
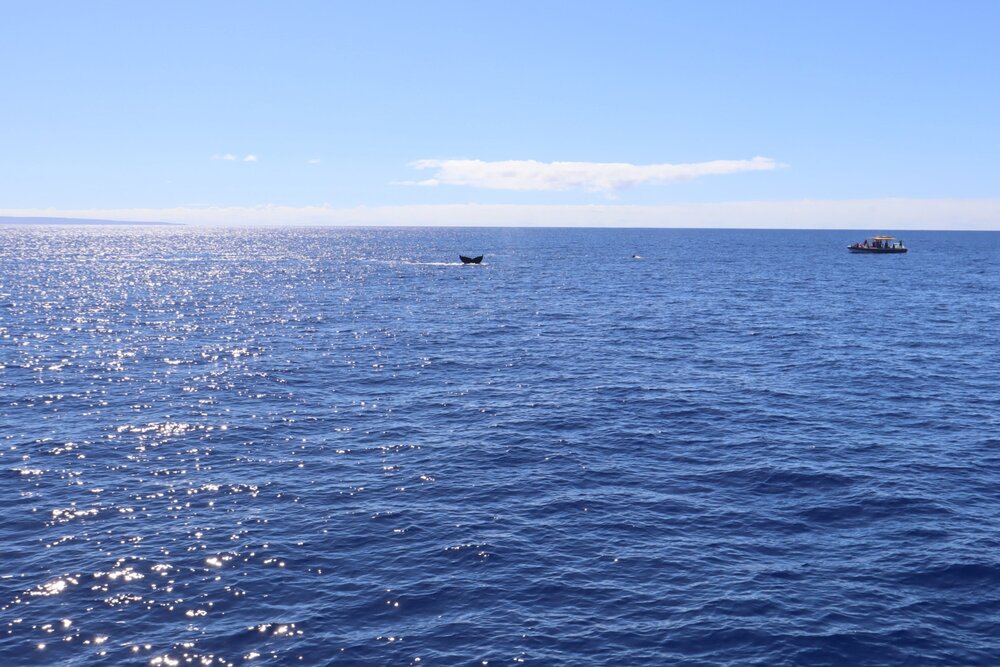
(341, 446)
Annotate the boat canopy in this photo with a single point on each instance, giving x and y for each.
(884, 238)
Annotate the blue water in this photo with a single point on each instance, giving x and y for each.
(316, 447)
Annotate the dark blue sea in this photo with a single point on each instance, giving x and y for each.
(341, 446)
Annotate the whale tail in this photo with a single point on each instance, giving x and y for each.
(470, 260)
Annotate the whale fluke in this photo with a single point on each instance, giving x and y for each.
(470, 260)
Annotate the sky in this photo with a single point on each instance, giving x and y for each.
(873, 114)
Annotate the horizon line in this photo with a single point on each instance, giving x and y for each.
(27, 221)
(901, 214)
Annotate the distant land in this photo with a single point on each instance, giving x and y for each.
(31, 220)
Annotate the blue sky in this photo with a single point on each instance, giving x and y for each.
(132, 108)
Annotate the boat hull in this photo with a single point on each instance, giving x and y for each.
(876, 251)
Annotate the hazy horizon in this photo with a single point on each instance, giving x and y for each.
(944, 215)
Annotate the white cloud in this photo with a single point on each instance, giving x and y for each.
(606, 177)
(857, 214)
(314, 160)
(229, 157)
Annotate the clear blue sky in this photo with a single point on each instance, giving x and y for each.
(117, 105)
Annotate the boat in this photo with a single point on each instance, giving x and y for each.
(878, 245)
(471, 260)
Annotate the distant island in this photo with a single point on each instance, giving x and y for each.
(31, 220)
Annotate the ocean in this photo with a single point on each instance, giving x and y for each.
(341, 446)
